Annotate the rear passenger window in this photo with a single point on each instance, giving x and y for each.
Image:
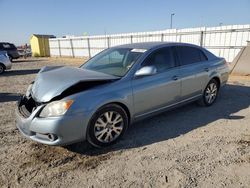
(188, 55)
(6, 46)
(162, 59)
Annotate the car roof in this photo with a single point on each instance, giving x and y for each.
(5, 43)
(150, 45)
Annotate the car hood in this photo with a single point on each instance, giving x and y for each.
(52, 81)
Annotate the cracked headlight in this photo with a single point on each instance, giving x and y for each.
(56, 108)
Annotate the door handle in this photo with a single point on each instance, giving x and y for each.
(206, 69)
(175, 77)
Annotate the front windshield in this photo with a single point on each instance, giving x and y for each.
(114, 61)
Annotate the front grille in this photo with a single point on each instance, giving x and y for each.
(27, 106)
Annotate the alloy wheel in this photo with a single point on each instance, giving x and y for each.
(211, 93)
(108, 126)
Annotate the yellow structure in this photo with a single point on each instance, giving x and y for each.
(40, 45)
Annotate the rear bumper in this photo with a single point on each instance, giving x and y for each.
(55, 131)
(224, 76)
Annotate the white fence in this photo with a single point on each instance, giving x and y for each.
(224, 41)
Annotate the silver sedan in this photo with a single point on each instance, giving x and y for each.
(99, 100)
(5, 63)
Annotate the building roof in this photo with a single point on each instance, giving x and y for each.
(44, 36)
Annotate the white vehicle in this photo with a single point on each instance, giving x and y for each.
(5, 63)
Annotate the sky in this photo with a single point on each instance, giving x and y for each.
(21, 18)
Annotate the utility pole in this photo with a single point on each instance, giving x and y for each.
(105, 36)
(171, 20)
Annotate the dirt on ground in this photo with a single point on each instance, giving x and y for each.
(191, 146)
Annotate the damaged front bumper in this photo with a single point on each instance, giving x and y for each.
(62, 130)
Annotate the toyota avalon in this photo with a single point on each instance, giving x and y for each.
(99, 100)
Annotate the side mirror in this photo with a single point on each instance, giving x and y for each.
(146, 71)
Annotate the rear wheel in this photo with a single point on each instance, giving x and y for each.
(2, 69)
(210, 93)
(107, 126)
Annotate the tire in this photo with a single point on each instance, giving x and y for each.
(2, 69)
(210, 93)
(102, 129)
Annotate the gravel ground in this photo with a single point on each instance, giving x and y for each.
(187, 147)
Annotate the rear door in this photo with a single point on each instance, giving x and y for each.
(194, 69)
(158, 90)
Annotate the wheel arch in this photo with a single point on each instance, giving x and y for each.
(3, 65)
(124, 107)
(217, 79)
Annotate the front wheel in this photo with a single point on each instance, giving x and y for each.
(107, 126)
(210, 93)
(2, 69)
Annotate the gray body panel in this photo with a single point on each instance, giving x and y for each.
(5, 60)
(158, 90)
(141, 96)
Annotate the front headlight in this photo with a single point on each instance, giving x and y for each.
(56, 108)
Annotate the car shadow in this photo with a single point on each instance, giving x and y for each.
(174, 123)
(9, 97)
(25, 60)
(21, 72)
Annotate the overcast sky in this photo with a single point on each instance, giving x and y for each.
(21, 18)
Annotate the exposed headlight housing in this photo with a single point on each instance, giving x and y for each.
(56, 108)
(28, 92)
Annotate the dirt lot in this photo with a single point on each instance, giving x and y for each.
(187, 147)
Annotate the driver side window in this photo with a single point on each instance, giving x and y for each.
(162, 59)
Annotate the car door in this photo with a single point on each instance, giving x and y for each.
(153, 92)
(194, 70)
